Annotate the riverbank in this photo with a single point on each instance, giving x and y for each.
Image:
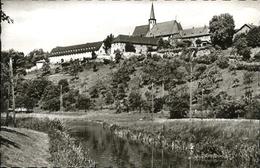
(62, 149)
(22, 147)
(224, 139)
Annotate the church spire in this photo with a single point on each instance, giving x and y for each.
(152, 20)
(152, 13)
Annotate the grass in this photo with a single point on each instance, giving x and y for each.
(22, 147)
(63, 149)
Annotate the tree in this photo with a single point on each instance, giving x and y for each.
(109, 99)
(178, 101)
(253, 37)
(198, 42)
(129, 47)
(135, 100)
(5, 17)
(161, 44)
(83, 102)
(46, 69)
(248, 80)
(222, 30)
(118, 57)
(93, 55)
(108, 42)
(65, 85)
(242, 48)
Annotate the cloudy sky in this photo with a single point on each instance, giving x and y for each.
(47, 24)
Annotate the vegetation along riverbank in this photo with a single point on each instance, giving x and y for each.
(64, 152)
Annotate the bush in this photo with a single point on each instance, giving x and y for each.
(129, 47)
(199, 69)
(65, 85)
(83, 103)
(257, 56)
(222, 62)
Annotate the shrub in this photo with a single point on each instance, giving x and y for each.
(257, 56)
(222, 62)
(199, 69)
(65, 85)
(83, 103)
(129, 47)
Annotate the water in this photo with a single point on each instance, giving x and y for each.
(109, 151)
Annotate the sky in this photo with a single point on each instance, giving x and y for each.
(47, 24)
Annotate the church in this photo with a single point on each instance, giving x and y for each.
(171, 30)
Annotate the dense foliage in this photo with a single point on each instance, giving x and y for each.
(222, 30)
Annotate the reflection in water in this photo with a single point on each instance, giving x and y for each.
(112, 152)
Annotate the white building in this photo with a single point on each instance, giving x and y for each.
(65, 54)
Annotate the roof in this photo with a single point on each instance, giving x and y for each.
(135, 40)
(250, 26)
(164, 29)
(74, 49)
(195, 32)
(141, 30)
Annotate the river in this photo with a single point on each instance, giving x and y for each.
(110, 151)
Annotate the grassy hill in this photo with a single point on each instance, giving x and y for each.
(22, 147)
(213, 76)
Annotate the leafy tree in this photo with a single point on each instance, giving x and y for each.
(257, 56)
(230, 109)
(135, 100)
(70, 99)
(178, 102)
(5, 17)
(83, 102)
(239, 36)
(253, 110)
(198, 42)
(222, 30)
(108, 42)
(121, 93)
(242, 48)
(129, 47)
(253, 37)
(94, 93)
(65, 85)
(163, 44)
(51, 98)
(93, 55)
(46, 69)
(109, 99)
(248, 80)
(118, 57)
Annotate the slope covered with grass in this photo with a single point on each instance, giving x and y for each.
(22, 147)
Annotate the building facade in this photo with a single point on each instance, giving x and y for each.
(171, 30)
(65, 54)
(141, 44)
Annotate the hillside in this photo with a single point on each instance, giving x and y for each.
(24, 148)
(213, 74)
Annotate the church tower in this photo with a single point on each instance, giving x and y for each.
(152, 20)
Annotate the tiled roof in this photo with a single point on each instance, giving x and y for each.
(135, 40)
(195, 32)
(164, 29)
(141, 30)
(74, 49)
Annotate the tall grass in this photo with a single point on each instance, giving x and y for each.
(63, 149)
